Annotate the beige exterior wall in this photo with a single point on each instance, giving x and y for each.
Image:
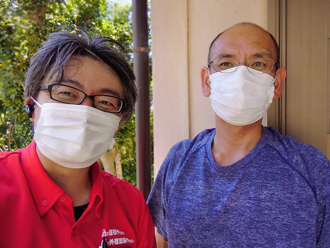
(181, 33)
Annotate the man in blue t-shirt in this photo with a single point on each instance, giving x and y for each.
(242, 184)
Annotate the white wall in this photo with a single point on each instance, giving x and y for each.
(182, 31)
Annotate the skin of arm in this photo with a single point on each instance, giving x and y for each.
(161, 243)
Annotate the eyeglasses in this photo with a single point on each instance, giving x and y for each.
(67, 94)
(228, 65)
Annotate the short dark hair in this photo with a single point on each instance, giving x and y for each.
(276, 46)
(55, 52)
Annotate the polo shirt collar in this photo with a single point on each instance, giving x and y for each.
(96, 195)
(44, 191)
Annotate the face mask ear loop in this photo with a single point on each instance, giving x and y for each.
(36, 102)
(208, 71)
(275, 77)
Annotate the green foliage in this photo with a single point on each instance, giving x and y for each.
(24, 25)
(125, 143)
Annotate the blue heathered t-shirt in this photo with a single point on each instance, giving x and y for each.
(276, 196)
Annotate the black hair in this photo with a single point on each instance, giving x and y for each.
(55, 52)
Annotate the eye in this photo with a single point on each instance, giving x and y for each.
(226, 65)
(106, 103)
(258, 64)
(65, 94)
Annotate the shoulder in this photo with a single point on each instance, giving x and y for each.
(199, 140)
(185, 152)
(12, 177)
(304, 158)
(129, 203)
(8, 156)
(10, 162)
(122, 188)
(188, 146)
(124, 195)
(292, 148)
(15, 157)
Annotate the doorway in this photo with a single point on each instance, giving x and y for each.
(302, 29)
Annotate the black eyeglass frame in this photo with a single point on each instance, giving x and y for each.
(276, 64)
(50, 87)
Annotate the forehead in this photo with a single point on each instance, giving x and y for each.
(92, 75)
(244, 41)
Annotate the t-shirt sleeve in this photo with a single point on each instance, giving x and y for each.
(314, 166)
(318, 175)
(323, 218)
(322, 183)
(166, 177)
(156, 200)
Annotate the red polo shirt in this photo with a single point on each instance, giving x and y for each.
(35, 212)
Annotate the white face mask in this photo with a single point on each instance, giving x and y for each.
(74, 136)
(241, 97)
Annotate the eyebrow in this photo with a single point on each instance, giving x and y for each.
(102, 91)
(255, 55)
(224, 55)
(261, 55)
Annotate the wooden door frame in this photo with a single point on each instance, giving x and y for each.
(276, 25)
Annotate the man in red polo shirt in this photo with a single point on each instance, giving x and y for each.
(53, 194)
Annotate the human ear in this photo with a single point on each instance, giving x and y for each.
(29, 108)
(279, 82)
(206, 84)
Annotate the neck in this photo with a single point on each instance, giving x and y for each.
(75, 182)
(232, 143)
